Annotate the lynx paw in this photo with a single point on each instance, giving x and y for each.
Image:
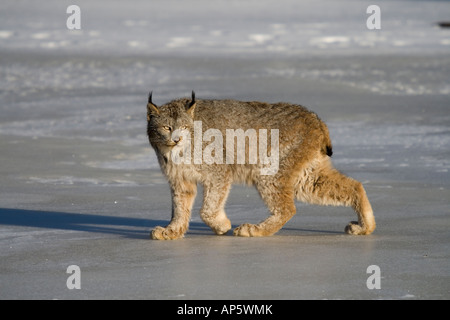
(247, 230)
(160, 233)
(355, 229)
(222, 228)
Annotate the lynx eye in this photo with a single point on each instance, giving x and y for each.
(167, 128)
(183, 127)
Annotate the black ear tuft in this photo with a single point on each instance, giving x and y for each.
(150, 97)
(191, 107)
(193, 99)
(152, 109)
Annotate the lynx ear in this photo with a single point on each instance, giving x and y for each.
(192, 104)
(152, 109)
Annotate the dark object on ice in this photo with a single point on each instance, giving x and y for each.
(444, 24)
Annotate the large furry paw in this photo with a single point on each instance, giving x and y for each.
(222, 228)
(218, 222)
(160, 233)
(247, 230)
(354, 228)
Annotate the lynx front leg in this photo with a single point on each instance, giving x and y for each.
(212, 212)
(183, 196)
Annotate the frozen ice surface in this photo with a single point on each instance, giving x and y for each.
(224, 27)
(80, 185)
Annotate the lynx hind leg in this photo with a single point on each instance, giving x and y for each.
(183, 197)
(213, 212)
(322, 184)
(280, 200)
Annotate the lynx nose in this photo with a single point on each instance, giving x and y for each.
(177, 139)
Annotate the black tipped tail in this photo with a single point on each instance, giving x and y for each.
(329, 151)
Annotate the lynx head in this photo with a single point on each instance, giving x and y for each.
(170, 124)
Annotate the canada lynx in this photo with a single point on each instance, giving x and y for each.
(299, 166)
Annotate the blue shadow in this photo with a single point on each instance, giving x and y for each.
(127, 227)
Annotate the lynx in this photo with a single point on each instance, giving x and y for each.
(303, 151)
